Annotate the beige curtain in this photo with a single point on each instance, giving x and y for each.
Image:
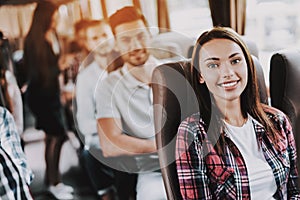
(163, 16)
(238, 15)
(103, 7)
(137, 4)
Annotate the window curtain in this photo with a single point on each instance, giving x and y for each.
(163, 16)
(137, 4)
(229, 13)
(104, 9)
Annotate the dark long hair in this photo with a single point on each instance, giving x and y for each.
(5, 99)
(250, 102)
(38, 55)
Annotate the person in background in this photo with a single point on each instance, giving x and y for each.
(100, 42)
(78, 43)
(10, 93)
(236, 147)
(77, 47)
(124, 109)
(6, 53)
(15, 175)
(42, 59)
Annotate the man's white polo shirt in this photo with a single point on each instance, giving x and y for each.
(123, 97)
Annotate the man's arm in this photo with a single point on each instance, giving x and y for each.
(115, 143)
(85, 104)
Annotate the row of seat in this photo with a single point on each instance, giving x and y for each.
(173, 92)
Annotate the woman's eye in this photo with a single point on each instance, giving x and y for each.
(212, 65)
(235, 61)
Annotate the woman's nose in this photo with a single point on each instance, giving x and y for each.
(226, 70)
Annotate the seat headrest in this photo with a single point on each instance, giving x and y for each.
(174, 100)
(262, 89)
(171, 44)
(285, 81)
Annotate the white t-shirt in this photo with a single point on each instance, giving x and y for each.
(261, 177)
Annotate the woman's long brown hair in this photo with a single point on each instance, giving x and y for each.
(250, 101)
(38, 56)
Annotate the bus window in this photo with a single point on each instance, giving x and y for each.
(189, 17)
(149, 9)
(18, 23)
(273, 25)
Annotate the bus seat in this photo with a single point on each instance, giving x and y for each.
(250, 44)
(285, 87)
(174, 100)
(171, 45)
(262, 88)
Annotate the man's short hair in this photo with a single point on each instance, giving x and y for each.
(87, 23)
(79, 25)
(125, 15)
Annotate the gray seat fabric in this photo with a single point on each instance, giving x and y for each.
(285, 88)
(174, 100)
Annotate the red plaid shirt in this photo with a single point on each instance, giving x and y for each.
(214, 177)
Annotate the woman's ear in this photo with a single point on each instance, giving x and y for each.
(201, 79)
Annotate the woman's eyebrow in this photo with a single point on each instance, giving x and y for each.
(215, 58)
(232, 55)
(212, 58)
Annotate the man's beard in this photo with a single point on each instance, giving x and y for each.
(103, 53)
(136, 58)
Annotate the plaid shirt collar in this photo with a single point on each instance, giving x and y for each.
(220, 168)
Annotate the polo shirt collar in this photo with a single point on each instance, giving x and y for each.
(130, 81)
(96, 69)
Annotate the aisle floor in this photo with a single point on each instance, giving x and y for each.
(71, 170)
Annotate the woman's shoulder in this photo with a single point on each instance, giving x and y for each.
(193, 119)
(279, 118)
(275, 114)
(193, 124)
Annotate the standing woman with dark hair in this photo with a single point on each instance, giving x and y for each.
(41, 56)
(236, 147)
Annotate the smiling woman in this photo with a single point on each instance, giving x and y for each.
(222, 69)
(222, 145)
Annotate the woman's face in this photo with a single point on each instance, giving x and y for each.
(224, 69)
